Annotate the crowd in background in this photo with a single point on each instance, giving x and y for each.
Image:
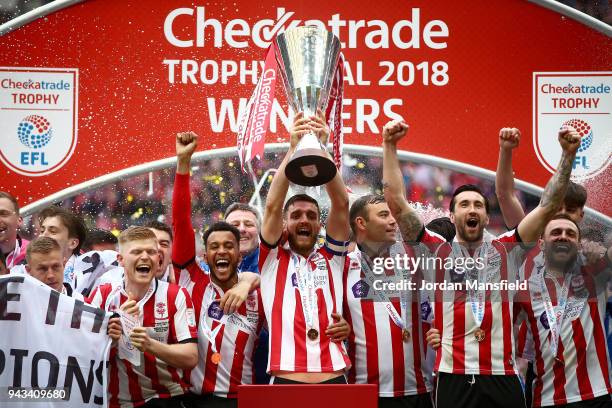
(218, 182)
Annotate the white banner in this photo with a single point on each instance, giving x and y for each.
(52, 347)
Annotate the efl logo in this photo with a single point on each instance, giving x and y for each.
(582, 100)
(34, 132)
(39, 107)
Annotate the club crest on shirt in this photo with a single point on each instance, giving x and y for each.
(251, 302)
(544, 320)
(215, 311)
(360, 289)
(160, 310)
(294, 281)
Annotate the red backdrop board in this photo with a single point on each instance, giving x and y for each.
(455, 71)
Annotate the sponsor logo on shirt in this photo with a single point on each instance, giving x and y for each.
(360, 289)
(215, 311)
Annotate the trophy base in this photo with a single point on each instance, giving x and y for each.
(310, 167)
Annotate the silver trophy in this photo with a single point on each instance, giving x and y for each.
(307, 58)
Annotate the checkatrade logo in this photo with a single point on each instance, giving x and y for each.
(39, 107)
(582, 100)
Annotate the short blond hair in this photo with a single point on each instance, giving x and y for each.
(42, 245)
(135, 233)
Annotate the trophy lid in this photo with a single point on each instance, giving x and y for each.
(307, 57)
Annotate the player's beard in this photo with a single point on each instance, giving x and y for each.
(302, 245)
(471, 236)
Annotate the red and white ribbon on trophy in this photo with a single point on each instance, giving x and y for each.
(335, 103)
(256, 117)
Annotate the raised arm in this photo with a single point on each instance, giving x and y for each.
(510, 206)
(272, 227)
(409, 221)
(532, 226)
(338, 218)
(183, 245)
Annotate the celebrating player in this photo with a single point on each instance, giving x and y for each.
(386, 346)
(564, 308)
(473, 334)
(165, 336)
(68, 230)
(227, 304)
(45, 262)
(301, 285)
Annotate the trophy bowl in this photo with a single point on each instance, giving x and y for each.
(307, 57)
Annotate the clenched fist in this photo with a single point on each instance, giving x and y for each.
(394, 130)
(186, 143)
(569, 139)
(509, 138)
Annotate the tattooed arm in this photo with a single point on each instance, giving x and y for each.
(409, 221)
(532, 226)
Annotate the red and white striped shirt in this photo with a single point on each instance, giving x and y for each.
(290, 347)
(522, 335)
(376, 346)
(460, 352)
(169, 318)
(580, 369)
(236, 340)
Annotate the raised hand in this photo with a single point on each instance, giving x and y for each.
(509, 138)
(301, 126)
(394, 131)
(320, 127)
(186, 143)
(569, 139)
